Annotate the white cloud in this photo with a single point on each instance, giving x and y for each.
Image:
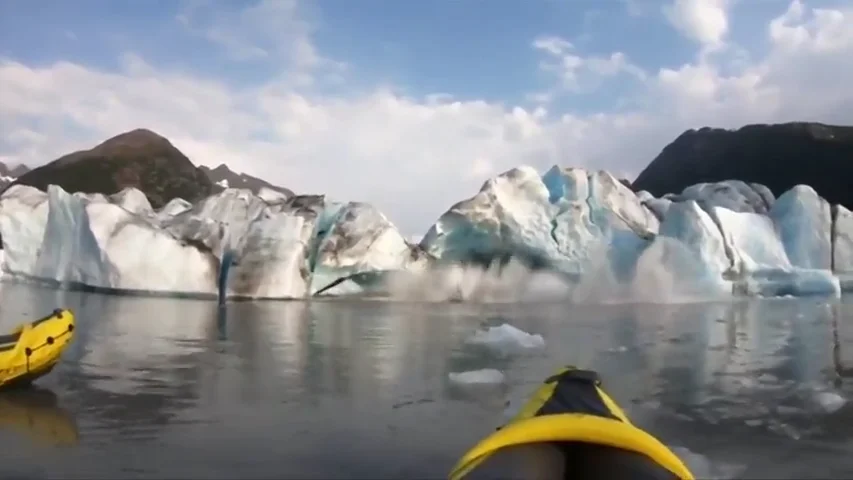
(414, 157)
(274, 30)
(705, 21)
(578, 73)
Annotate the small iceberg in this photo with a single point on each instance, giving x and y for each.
(506, 339)
(829, 401)
(486, 376)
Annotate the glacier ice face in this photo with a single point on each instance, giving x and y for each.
(687, 258)
(709, 240)
(842, 245)
(804, 222)
(360, 239)
(560, 220)
(732, 195)
(23, 217)
(176, 206)
(271, 244)
(271, 196)
(132, 200)
(586, 227)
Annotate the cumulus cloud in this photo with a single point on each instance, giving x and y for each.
(705, 21)
(415, 156)
(576, 72)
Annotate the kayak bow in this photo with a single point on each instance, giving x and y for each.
(31, 350)
(586, 433)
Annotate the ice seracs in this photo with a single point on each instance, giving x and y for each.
(258, 246)
(562, 220)
(584, 226)
(842, 245)
(357, 238)
(724, 238)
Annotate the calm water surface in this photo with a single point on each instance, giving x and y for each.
(160, 388)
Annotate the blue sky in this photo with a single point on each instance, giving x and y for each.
(472, 48)
(413, 104)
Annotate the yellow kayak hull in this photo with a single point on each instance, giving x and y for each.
(565, 423)
(33, 349)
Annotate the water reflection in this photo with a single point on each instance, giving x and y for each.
(185, 388)
(38, 415)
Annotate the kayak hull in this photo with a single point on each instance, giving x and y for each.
(575, 430)
(32, 350)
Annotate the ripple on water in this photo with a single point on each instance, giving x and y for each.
(165, 388)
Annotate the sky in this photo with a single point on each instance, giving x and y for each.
(412, 104)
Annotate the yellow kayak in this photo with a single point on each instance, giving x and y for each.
(571, 429)
(33, 349)
(36, 413)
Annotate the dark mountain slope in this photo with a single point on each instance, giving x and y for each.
(778, 156)
(139, 158)
(224, 177)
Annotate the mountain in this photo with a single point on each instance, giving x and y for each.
(224, 177)
(778, 156)
(6, 171)
(9, 175)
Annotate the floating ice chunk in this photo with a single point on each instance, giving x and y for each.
(506, 339)
(829, 401)
(485, 376)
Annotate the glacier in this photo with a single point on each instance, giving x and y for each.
(712, 240)
(234, 244)
(584, 227)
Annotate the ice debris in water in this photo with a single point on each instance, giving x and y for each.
(830, 401)
(486, 376)
(506, 339)
(702, 467)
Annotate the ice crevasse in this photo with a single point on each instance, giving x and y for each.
(711, 239)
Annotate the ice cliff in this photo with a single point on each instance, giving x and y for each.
(274, 246)
(710, 240)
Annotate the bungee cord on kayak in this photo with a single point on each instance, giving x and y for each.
(32, 350)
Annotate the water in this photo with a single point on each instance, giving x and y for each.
(160, 388)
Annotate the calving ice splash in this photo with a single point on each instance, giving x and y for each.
(595, 239)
